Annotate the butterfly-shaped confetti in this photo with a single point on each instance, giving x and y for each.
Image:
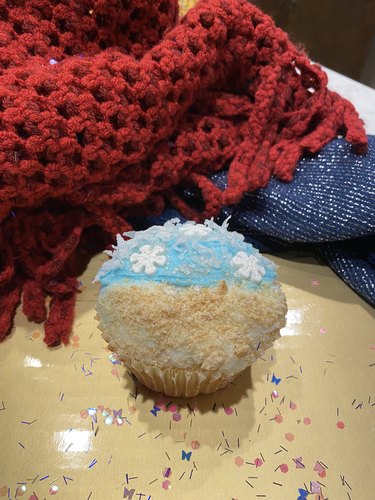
(117, 413)
(302, 494)
(155, 410)
(275, 380)
(186, 456)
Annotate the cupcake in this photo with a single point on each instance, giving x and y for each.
(187, 307)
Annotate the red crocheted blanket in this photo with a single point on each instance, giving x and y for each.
(108, 106)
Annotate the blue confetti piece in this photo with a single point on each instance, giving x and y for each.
(275, 380)
(186, 456)
(155, 410)
(302, 494)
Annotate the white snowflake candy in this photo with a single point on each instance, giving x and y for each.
(147, 260)
(248, 267)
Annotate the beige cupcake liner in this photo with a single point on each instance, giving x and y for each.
(177, 382)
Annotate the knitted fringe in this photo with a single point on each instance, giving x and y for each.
(108, 108)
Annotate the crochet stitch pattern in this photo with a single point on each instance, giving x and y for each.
(109, 107)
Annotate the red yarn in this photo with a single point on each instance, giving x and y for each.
(106, 106)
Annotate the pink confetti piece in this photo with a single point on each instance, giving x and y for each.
(166, 485)
(307, 420)
(274, 394)
(195, 445)
(114, 372)
(176, 417)
(258, 462)
(292, 406)
(318, 467)
(315, 283)
(172, 408)
(21, 490)
(279, 418)
(315, 487)
(372, 347)
(33, 497)
(340, 424)
(228, 411)
(322, 474)
(289, 436)
(53, 489)
(323, 330)
(239, 461)
(84, 414)
(284, 468)
(101, 408)
(298, 462)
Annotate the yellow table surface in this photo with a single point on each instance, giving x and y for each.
(260, 438)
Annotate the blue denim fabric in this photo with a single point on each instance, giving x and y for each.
(330, 204)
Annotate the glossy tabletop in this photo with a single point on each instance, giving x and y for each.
(74, 424)
(300, 424)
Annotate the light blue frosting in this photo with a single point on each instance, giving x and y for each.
(189, 255)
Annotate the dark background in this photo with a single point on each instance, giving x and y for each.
(339, 34)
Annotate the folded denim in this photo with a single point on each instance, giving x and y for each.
(328, 206)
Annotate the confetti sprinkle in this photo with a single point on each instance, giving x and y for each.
(307, 420)
(323, 330)
(228, 411)
(292, 406)
(275, 380)
(53, 489)
(195, 445)
(318, 467)
(239, 461)
(298, 462)
(176, 417)
(340, 424)
(167, 472)
(166, 485)
(289, 436)
(315, 283)
(284, 468)
(155, 410)
(108, 420)
(315, 487)
(279, 418)
(21, 490)
(186, 456)
(274, 394)
(52, 62)
(258, 462)
(302, 494)
(113, 358)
